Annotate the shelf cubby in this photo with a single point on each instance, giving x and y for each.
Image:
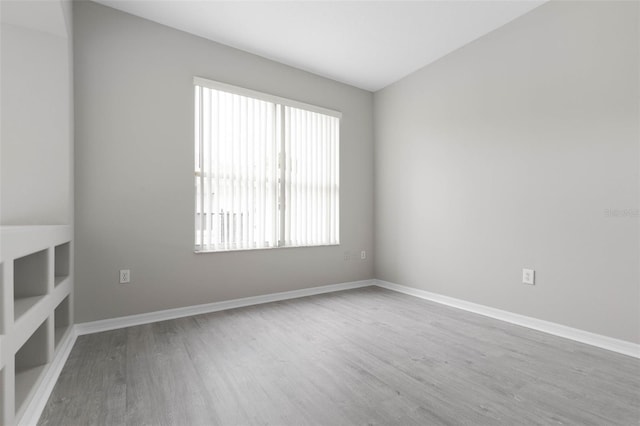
(30, 362)
(2, 302)
(3, 383)
(62, 262)
(30, 277)
(61, 320)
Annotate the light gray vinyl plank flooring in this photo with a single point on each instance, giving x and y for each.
(363, 357)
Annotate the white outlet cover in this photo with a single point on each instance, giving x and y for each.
(528, 276)
(125, 276)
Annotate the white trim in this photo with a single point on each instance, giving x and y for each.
(36, 405)
(598, 340)
(131, 320)
(236, 90)
(196, 251)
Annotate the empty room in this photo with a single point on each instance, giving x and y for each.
(319, 212)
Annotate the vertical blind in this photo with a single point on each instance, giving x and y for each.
(266, 170)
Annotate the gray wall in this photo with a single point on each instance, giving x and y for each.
(505, 154)
(134, 171)
(36, 115)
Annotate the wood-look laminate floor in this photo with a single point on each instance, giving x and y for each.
(367, 356)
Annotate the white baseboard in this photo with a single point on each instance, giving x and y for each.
(598, 340)
(147, 318)
(35, 407)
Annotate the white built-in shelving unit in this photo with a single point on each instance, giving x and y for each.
(36, 294)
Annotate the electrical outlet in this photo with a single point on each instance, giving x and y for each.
(528, 276)
(363, 254)
(125, 276)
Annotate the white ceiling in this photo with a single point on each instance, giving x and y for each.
(367, 44)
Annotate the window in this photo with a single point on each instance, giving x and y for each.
(266, 170)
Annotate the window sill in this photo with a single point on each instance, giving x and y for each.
(261, 248)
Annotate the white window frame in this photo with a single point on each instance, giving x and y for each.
(281, 103)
